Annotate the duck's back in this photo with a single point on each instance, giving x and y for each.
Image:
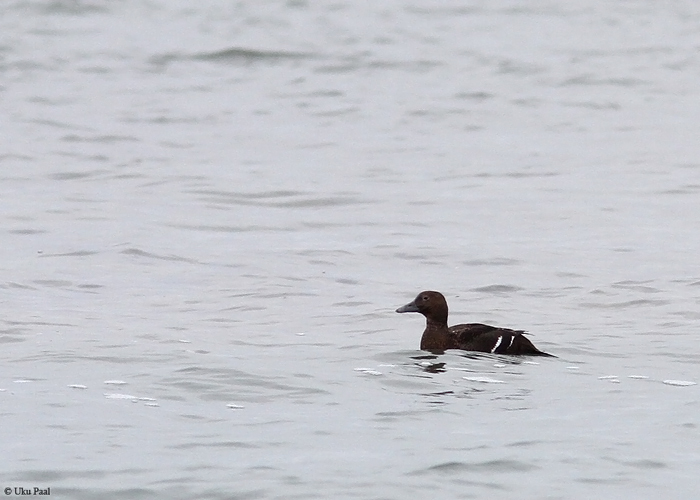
(486, 338)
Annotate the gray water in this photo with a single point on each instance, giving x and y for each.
(210, 211)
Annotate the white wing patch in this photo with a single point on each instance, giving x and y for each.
(498, 342)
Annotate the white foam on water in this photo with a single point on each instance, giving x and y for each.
(679, 383)
(484, 380)
(120, 396)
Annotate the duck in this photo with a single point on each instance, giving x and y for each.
(438, 337)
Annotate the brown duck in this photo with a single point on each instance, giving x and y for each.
(469, 337)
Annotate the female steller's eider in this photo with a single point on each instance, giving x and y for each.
(470, 337)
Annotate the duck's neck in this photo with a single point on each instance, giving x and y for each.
(436, 336)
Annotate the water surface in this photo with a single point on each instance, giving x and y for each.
(210, 213)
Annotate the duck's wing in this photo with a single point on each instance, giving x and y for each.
(486, 338)
(480, 337)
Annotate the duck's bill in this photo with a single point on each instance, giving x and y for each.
(408, 308)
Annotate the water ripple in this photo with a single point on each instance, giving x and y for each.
(497, 466)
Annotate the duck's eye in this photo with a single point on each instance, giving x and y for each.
(424, 298)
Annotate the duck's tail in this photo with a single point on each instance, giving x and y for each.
(522, 345)
(541, 353)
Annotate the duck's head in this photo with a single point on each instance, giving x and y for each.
(430, 304)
